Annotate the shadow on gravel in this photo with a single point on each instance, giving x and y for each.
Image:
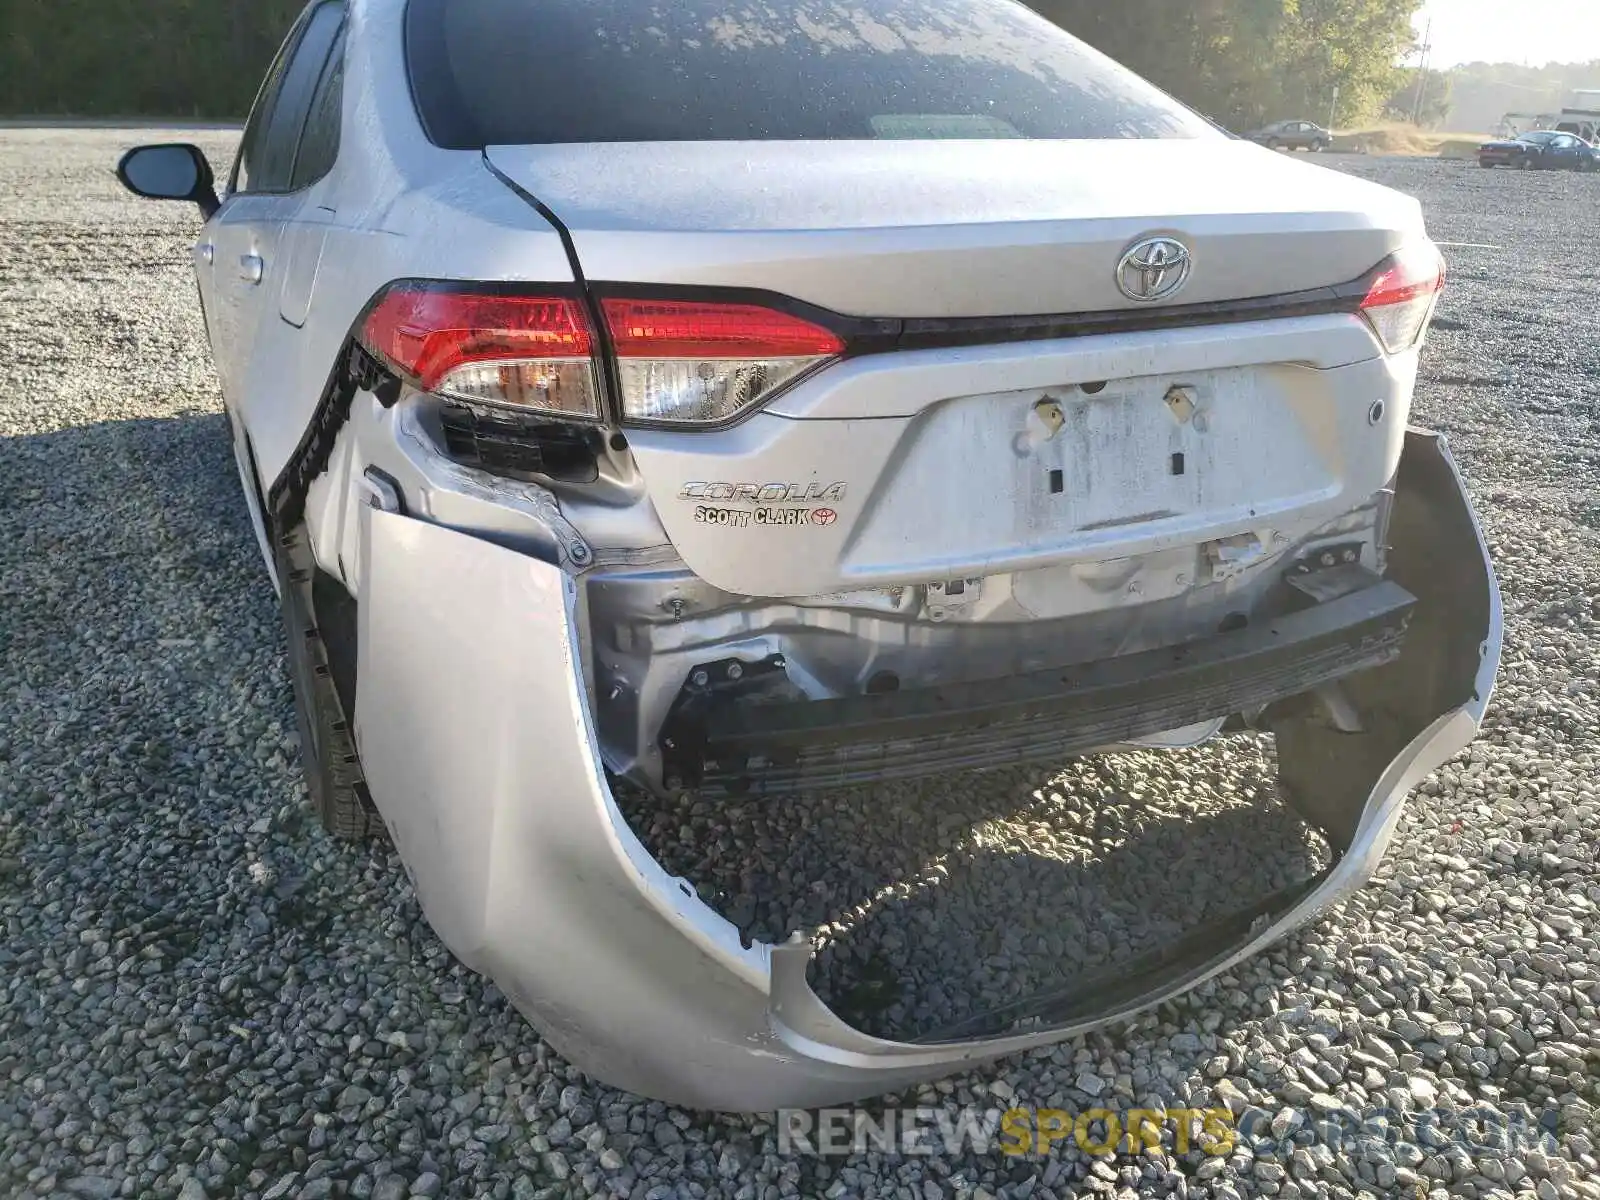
(87, 512)
(135, 615)
(1005, 921)
(161, 875)
(930, 905)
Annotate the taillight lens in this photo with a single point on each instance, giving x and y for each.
(702, 363)
(1399, 303)
(532, 353)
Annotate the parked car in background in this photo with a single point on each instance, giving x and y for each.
(1542, 149)
(1293, 135)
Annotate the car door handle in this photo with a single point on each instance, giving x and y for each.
(251, 268)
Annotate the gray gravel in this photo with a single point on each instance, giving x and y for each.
(203, 996)
(935, 904)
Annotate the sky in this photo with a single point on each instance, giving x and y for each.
(1532, 31)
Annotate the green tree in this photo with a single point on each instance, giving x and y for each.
(1243, 62)
(178, 58)
(1351, 45)
(1482, 93)
(1436, 98)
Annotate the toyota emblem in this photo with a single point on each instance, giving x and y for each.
(1154, 269)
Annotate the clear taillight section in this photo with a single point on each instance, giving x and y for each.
(532, 353)
(1400, 301)
(686, 362)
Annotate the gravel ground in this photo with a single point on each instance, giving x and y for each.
(960, 895)
(206, 997)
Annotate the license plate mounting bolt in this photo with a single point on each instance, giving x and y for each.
(1183, 402)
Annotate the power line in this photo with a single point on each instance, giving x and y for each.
(1422, 72)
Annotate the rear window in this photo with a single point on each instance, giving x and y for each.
(533, 72)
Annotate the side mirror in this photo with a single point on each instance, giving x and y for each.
(170, 172)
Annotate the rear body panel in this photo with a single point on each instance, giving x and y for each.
(916, 466)
(393, 206)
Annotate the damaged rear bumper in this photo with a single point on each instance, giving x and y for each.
(478, 743)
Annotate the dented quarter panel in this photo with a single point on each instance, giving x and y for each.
(400, 208)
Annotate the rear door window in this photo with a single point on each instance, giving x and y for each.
(276, 171)
(319, 143)
(244, 165)
(530, 72)
(266, 162)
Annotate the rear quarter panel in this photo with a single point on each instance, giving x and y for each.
(403, 209)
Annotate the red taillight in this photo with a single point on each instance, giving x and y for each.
(531, 352)
(681, 329)
(686, 362)
(1399, 302)
(704, 363)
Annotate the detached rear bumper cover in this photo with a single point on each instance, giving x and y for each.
(477, 742)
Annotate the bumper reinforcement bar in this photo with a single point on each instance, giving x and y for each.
(1040, 715)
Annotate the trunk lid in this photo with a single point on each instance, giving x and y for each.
(958, 228)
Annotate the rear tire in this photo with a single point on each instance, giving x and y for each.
(333, 774)
(1524, 164)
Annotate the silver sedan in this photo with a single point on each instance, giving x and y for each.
(756, 401)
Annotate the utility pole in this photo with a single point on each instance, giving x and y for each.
(1422, 72)
(1333, 108)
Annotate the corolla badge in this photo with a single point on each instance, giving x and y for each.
(764, 493)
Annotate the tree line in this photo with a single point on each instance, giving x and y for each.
(1241, 62)
(1246, 62)
(1482, 93)
(197, 59)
